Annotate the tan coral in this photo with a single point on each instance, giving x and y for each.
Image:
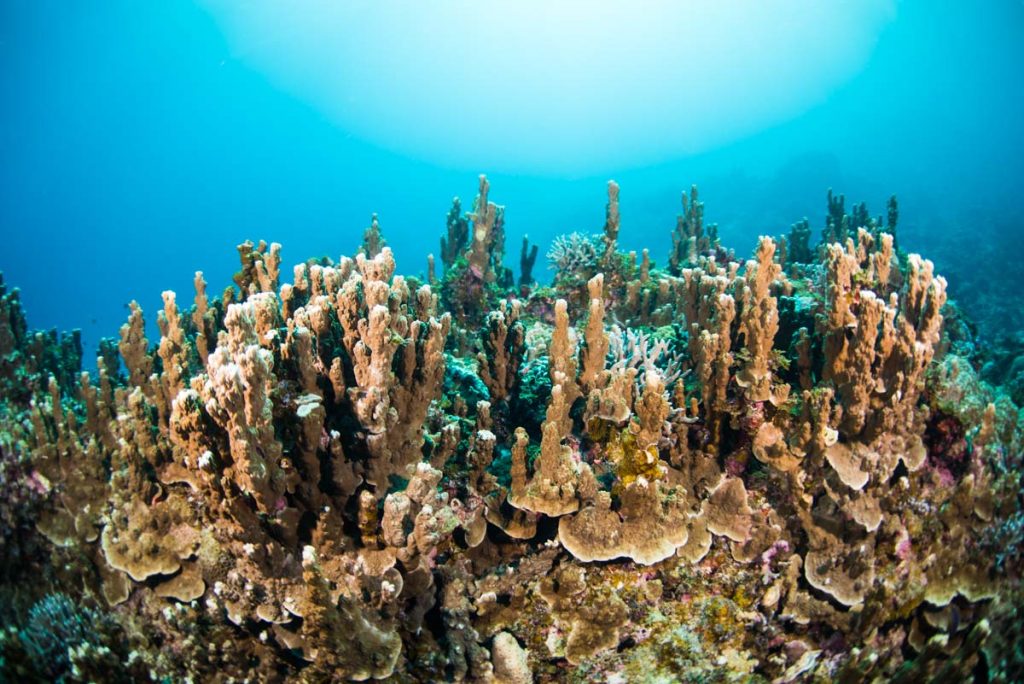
(313, 406)
(510, 660)
(714, 359)
(595, 347)
(397, 361)
(698, 542)
(770, 447)
(144, 541)
(200, 318)
(593, 616)
(846, 460)
(339, 636)
(613, 401)
(562, 354)
(261, 265)
(174, 348)
(846, 574)
(186, 586)
(236, 393)
(418, 520)
(612, 220)
(726, 511)
(559, 480)
(487, 218)
(134, 347)
(649, 526)
(505, 345)
(759, 323)
(652, 409)
(876, 351)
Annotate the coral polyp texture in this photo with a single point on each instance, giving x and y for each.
(781, 468)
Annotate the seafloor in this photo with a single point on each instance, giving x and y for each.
(793, 467)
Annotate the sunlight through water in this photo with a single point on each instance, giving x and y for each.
(492, 84)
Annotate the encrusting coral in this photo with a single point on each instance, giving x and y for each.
(773, 470)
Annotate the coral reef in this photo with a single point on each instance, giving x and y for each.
(789, 468)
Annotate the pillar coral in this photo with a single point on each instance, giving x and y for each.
(174, 349)
(134, 347)
(454, 243)
(560, 478)
(235, 393)
(307, 463)
(758, 325)
(594, 350)
(504, 348)
(202, 319)
(261, 267)
(487, 241)
(562, 355)
(689, 239)
(611, 224)
(714, 360)
(396, 361)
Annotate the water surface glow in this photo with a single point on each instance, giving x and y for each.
(555, 87)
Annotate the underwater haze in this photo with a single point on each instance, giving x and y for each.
(511, 342)
(140, 141)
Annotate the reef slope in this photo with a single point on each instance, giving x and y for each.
(780, 468)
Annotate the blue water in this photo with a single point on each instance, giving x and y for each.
(140, 142)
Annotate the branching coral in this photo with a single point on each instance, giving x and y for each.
(573, 255)
(689, 240)
(504, 349)
(637, 349)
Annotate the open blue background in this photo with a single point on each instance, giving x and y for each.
(135, 150)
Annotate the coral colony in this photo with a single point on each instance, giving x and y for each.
(777, 469)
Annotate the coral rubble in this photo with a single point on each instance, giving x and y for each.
(779, 469)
